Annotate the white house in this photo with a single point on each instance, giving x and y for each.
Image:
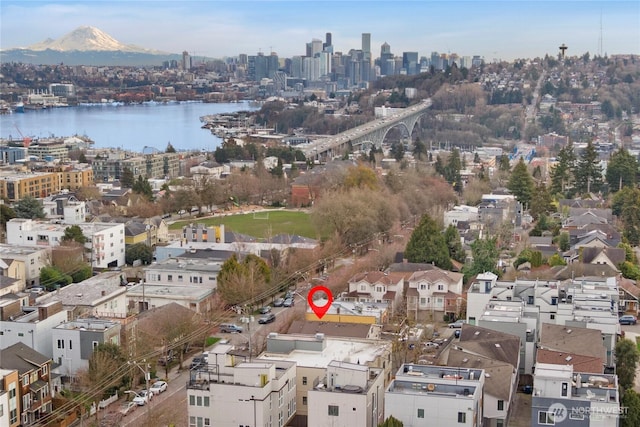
(460, 213)
(349, 395)
(434, 291)
(377, 286)
(74, 342)
(435, 395)
(30, 261)
(184, 271)
(105, 240)
(29, 325)
(145, 296)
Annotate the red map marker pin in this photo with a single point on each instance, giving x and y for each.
(320, 310)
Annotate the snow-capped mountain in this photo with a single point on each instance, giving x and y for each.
(87, 38)
(86, 46)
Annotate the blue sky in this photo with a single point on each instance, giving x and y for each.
(493, 29)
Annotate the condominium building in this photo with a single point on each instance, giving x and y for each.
(16, 186)
(436, 395)
(236, 392)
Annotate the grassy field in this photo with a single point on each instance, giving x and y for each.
(258, 225)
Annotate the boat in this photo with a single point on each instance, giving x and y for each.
(19, 107)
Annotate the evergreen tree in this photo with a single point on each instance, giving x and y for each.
(170, 148)
(427, 245)
(627, 357)
(74, 234)
(126, 178)
(504, 165)
(485, 257)
(521, 184)
(588, 172)
(419, 149)
(622, 170)
(142, 186)
(541, 201)
(29, 207)
(452, 170)
(562, 174)
(452, 237)
(439, 165)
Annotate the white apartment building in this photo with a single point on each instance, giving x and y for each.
(460, 213)
(74, 342)
(184, 271)
(29, 325)
(562, 397)
(28, 261)
(349, 395)
(105, 240)
(99, 296)
(145, 296)
(67, 209)
(313, 354)
(240, 393)
(435, 395)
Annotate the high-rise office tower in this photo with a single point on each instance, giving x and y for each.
(410, 62)
(366, 42)
(327, 41)
(316, 47)
(186, 61)
(387, 64)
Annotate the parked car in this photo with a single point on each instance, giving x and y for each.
(288, 302)
(431, 344)
(158, 387)
(457, 324)
(278, 302)
(456, 333)
(264, 310)
(143, 397)
(288, 295)
(230, 328)
(166, 359)
(127, 407)
(628, 319)
(38, 290)
(267, 318)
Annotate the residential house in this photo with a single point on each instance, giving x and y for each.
(145, 296)
(230, 392)
(580, 347)
(199, 232)
(612, 257)
(35, 391)
(336, 329)
(434, 292)
(563, 396)
(29, 325)
(436, 395)
(9, 285)
(378, 287)
(349, 394)
(9, 400)
(25, 262)
(66, 208)
(75, 341)
(629, 296)
(342, 311)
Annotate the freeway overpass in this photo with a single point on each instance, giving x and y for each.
(368, 134)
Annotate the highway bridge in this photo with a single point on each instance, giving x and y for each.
(369, 134)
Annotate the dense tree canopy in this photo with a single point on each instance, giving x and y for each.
(622, 170)
(74, 233)
(241, 281)
(627, 357)
(588, 172)
(138, 251)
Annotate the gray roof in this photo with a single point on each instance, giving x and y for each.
(333, 329)
(576, 340)
(497, 383)
(22, 358)
(493, 344)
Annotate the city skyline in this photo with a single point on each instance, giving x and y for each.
(504, 30)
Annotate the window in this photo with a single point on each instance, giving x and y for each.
(530, 300)
(420, 413)
(363, 287)
(441, 287)
(70, 345)
(552, 316)
(333, 410)
(198, 400)
(423, 301)
(546, 418)
(169, 277)
(304, 380)
(565, 388)
(423, 287)
(304, 400)
(95, 344)
(499, 423)
(207, 422)
(13, 415)
(554, 300)
(206, 401)
(25, 380)
(379, 289)
(60, 343)
(500, 405)
(192, 401)
(462, 417)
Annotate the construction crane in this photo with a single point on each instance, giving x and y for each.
(26, 141)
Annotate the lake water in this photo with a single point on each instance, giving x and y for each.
(131, 127)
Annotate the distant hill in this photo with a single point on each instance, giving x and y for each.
(86, 46)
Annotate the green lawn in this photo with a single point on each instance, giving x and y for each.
(278, 222)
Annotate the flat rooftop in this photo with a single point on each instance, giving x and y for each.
(346, 350)
(87, 292)
(88, 325)
(178, 291)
